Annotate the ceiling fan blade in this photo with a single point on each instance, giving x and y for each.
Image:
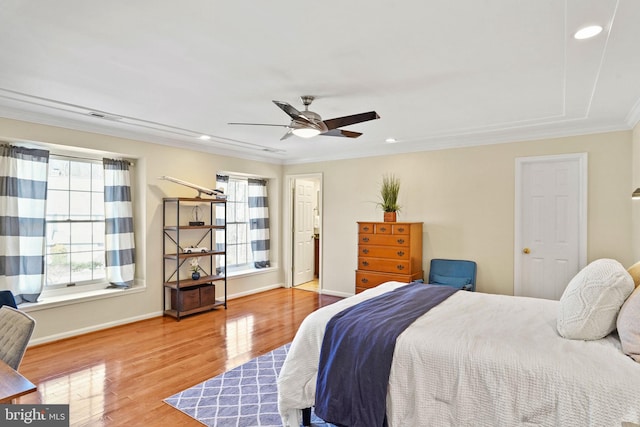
(351, 120)
(292, 112)
(286, 135)
(341, 132)
(287, 108)
(258, 124)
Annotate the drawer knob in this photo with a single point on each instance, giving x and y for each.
(400, 267)
(400, 253)
(383, 228)
(364, 280)
(365, 263)
(365, 228)
(401, 229)
(365, 251)
(365, 239)
(401, 241)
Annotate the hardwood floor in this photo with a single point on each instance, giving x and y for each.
(120, 376)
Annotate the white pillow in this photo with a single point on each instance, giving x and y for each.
(590, 304)
(629, 326)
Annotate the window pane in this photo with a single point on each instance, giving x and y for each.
(58, 174)
(97, 206)
(80, 205)
(98, 236)
(81, 263)
(58, 269)
(231, 212)
(58, 234)
(232, 233)
(81, 236)
(80, 176)
(98, 265)
(231, 254)
(97, 180)
(57, 205)
(242, 254)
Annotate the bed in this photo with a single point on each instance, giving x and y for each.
(481, 360)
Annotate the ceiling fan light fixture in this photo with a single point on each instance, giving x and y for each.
(305, 132)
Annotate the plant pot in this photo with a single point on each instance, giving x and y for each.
(390, 216)
(195, 275)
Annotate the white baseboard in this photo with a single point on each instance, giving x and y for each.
(255, 291)
(92, 328)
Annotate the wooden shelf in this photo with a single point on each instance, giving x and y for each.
(193, 255)
(193, 227)
(186, 283)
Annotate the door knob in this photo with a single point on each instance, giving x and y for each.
(526, 251)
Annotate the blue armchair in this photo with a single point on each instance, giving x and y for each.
(460, 274)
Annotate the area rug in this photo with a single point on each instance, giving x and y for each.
(246, 396)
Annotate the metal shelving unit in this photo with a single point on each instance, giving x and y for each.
(182, 294)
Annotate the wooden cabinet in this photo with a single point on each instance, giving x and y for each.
(388, 251)
(203, 240)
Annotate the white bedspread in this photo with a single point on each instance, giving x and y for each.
(481, 360)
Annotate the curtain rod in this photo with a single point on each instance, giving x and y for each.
(89, 158)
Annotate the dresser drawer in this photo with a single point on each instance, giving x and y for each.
(400, 229)
(384, 265)
(383, 240)
(383, 228)
(390, 252)
(366, 228)
(368, 280)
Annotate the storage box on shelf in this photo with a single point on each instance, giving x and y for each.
(388, 251)
(183, 294)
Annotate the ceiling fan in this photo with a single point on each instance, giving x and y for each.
(307, 124)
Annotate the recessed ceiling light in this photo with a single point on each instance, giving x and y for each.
(588, 32)
(205, 137)
(390, 140)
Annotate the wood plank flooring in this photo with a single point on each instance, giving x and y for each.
(120, 376)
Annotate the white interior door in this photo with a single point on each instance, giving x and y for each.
(550, 224)
(303, 243)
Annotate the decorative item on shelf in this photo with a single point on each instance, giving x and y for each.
(196, 215)
(389, 197)
(195, 268)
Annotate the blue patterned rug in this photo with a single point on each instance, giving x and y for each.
(246, 396)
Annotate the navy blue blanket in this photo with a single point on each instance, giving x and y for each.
(357, 350)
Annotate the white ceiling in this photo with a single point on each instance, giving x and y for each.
(439, 73)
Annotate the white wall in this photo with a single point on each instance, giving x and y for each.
(635, 183)
(465, 197)
(151, 161)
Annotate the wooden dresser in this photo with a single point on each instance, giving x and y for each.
(388, 251)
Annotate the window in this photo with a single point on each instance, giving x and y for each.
(247, 222)
(239, 254)
(75, 223)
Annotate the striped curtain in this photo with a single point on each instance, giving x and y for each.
(118, 211)
(23, 195)
(259, 222)
(222, 181)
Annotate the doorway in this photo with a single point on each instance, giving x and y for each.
(550, 223)
(303, 227)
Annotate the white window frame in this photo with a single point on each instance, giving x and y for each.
(79, 286)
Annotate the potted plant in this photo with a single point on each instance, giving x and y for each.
(195, 269)
(389, 197)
